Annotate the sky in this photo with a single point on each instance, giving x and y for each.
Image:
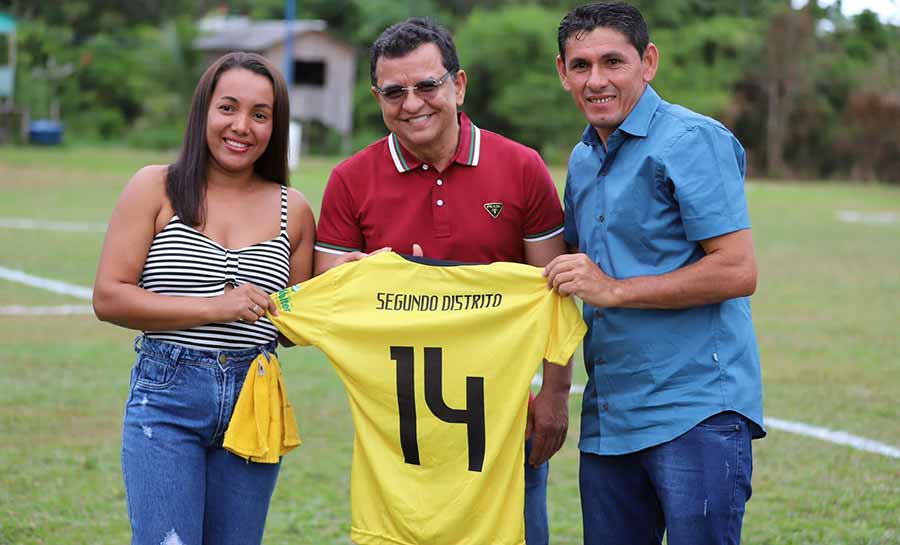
(887, 10)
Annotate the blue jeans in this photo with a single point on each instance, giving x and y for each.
(537, 527)
(693, 487)
(182, 486)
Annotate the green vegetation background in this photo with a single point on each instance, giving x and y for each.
(810, 93)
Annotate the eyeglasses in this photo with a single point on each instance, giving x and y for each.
(425, 89)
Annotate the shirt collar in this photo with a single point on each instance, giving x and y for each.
(637, 123)
(468, 150)
(590, 136)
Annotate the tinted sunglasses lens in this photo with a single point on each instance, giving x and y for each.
(394, 92)
(427, 88)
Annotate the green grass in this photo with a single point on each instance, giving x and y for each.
(826, 317)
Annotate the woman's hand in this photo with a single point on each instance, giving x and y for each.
(245, 303)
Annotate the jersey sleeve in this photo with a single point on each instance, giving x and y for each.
(544, 215)
(566, 330)
(305, 310)
(707, 168)
(338, 230)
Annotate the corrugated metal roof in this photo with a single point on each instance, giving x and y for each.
(245, 35)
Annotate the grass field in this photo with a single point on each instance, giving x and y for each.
(826, 313)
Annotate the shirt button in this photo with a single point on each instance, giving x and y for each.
(440, 202)
(424, 167)
(606, 406)
(222, 358)
(601, 218)
(599, 361)
(440, 182)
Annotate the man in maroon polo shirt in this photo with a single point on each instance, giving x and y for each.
(457, 192)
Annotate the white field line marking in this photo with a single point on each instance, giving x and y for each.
(869, 218)
(50, 285)
(69, 226)
(832, 436)
(60, 310)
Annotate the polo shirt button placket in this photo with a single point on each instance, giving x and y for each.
(441, 220)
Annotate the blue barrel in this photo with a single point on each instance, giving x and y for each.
(45, 132)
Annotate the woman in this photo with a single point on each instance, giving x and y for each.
(191, 252)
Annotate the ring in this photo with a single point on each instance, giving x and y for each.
(255, 309)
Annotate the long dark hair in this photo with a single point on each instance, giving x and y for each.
(186, 177)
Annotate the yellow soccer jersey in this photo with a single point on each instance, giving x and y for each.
(437, 361)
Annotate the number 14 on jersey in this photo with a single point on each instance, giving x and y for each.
(472, 416)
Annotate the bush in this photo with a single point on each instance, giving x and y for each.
(100, 124)
(158, 138)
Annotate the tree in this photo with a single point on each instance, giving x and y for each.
(789, 46)
(702, 62)
(41, 46)
(515, 90)
(872, 119)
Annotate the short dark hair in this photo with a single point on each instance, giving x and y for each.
(402, 38)
(616, 15)
(186, 177)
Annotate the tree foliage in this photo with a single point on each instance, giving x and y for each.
(507, 87)
(701, 63)
(809, 92)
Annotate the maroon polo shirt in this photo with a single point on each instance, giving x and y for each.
(495, 197)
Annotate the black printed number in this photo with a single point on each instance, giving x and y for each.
(472, 416)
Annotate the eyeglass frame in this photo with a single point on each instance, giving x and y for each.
(414, 88)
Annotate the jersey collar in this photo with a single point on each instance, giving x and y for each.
(468, 151)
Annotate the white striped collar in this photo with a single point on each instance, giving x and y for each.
(468, 151)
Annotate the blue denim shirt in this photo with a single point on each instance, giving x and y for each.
(667, 179)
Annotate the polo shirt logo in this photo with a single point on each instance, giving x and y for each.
(493, 208)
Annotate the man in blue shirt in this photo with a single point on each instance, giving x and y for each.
(655, 207)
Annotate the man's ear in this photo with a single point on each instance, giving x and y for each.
(650, 62)
(460, 82)
(561, 70)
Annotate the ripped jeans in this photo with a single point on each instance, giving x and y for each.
(182, 487)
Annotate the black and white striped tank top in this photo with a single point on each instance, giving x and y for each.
(182, 261)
